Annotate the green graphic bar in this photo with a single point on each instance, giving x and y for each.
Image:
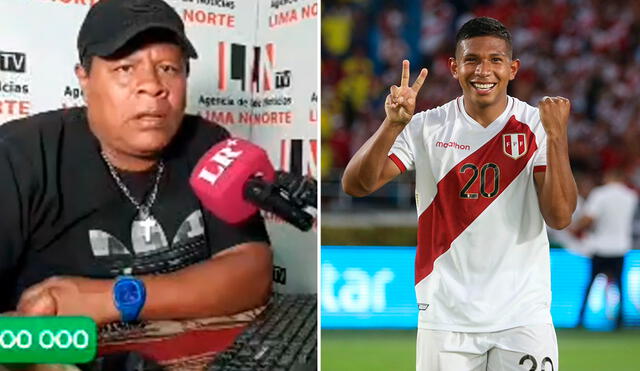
(47, 339)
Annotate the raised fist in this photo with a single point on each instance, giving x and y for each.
(554, 114)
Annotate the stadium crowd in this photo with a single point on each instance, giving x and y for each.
(585, 50)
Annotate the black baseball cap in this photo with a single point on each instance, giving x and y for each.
(110, 24)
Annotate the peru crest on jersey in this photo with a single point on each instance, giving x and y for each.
(514, 145)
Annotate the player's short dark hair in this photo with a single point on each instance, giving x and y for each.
(484, 26)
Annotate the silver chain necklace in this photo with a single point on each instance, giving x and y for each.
(146, 220)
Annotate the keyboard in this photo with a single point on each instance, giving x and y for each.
(282, 338)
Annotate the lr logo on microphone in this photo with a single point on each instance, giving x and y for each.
(223, 159)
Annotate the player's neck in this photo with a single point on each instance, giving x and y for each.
(485, 114)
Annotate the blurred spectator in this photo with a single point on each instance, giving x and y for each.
(607, 218)
(585, 50)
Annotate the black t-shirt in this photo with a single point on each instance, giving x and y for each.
(62, 213)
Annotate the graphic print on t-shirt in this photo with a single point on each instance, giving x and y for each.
(153, 255)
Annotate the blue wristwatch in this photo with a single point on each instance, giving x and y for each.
(129, 295)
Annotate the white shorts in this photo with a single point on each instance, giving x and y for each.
(525, 348)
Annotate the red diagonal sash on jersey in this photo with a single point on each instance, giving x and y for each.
(449, 214)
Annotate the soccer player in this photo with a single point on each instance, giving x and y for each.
(608, 219)
(490, 171)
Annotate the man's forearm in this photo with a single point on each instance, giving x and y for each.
(236, 279)
(233, 281)
(559, 191)
(365, 167)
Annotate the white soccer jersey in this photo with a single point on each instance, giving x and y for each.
(482, 261)
(612, 207)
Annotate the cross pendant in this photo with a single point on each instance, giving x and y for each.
(147, 224)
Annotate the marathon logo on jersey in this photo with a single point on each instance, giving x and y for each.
(13, 62)
(253, 72)
(454, 145)
(514, 145)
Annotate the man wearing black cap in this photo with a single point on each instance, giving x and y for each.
(97, 215)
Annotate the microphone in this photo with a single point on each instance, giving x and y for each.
(271, 198)
(302, 190)
(235, 178)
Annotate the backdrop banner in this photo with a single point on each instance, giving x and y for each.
(373, 287)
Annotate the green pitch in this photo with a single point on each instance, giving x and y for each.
(393, 350)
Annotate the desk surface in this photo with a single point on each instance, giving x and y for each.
(187, 345)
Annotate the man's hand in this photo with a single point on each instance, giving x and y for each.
(554, 114)
(70, 296)
(401, 103)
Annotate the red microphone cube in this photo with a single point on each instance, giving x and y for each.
(219, 177)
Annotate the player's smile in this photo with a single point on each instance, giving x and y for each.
(483, 88)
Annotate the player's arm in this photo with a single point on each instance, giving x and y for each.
(557, 190)
(370, 168)
(590, 210)
(233, 280)
(584, 223)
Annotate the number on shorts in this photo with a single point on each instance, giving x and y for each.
(529, 357)
(544, 360)
(534, 364)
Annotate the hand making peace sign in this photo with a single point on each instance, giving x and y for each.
(401, 103)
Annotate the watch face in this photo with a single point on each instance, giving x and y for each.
(127, 293)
